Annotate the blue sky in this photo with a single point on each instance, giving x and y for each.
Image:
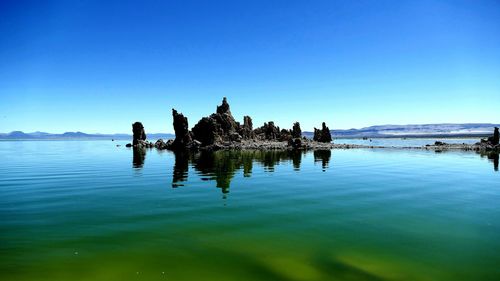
(98, 66)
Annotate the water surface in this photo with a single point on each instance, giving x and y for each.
(88, 210)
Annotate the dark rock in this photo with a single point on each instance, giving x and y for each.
(268, 132)
(285, 135)
(322, 135)
(169, 144)
(246, 130)
(439, 143)
(226, 123)
(182, 135)
(144, 144)
(139, 133)
(295, 143)
(235, 137)
(496, 136)
(224, 107)
(296, 131)
(206, 131)
(128, 145)
(220, 127)
(160, 144)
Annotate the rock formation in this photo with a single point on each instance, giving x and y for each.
(138, 133)
(220, 130)
(246, 130)
(182, 135)
(285, 135)
(322, 135)
(206, 131)
(295, 143)
(268, 131)
(491, 141)
(496, 137)
(224, 107)
(139, 137)
(296, 131)
(220, 127)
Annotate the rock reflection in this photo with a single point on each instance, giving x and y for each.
(323, 156)
(181, 167)
(222, 166)
(139, 156)
(493, 157)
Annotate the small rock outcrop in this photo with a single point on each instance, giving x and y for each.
(138, 133)
(139, 137)
(322, 135)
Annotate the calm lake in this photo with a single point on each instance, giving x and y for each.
(89, 210)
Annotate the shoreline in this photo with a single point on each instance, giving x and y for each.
(308, 144)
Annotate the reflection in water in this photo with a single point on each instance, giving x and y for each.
(323, 156)
(221, 166)
(139, 156)
(181, 167)
(493, 157)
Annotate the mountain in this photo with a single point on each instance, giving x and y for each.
(379, 131)
(421, 130)
(18, 135)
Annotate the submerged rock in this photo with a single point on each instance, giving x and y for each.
(322, 135)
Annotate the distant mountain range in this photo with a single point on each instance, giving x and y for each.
(422, 130)
(18, 135)
(381, 131)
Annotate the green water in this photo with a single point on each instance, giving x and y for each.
(75, 210)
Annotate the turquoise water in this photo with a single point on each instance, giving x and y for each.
(88, 210)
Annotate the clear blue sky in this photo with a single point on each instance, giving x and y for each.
(98, 66)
